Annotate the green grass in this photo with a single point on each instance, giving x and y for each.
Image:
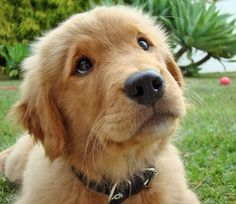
(207, 138)
(7, 98)
(8, 134)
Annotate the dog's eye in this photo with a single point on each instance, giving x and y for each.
(83, 66)
(143, 44)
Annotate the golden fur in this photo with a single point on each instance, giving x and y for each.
(88, 121)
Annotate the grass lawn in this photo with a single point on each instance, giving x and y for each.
(207, 138)
(8, 133)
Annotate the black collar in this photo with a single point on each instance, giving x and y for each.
(119, 192)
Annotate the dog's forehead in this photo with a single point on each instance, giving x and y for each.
(115, 17)
(118, 22)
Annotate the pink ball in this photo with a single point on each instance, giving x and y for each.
(224, 81)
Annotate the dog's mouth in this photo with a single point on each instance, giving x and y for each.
(156, 120)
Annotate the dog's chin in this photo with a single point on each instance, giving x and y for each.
(155, 126)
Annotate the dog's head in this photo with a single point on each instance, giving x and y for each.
(105, 75)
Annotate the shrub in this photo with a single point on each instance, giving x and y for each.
(13, 56)
(22, 21)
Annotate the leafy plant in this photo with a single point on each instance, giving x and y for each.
(198, 27)
(13, 56)
(159, 8)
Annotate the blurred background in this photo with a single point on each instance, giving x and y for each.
(203, 38)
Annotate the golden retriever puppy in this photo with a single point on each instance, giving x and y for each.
(101, 98)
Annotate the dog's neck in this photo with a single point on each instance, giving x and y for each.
(117, 162)
(118, 192)
(112, 167)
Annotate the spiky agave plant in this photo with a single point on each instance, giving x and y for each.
(196, 26)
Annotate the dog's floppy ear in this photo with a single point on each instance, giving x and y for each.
(174, 70)
(38, 112)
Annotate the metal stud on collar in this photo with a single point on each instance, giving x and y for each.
(154, 173)
(117, 196)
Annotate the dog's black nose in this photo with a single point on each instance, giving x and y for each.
(144, 87)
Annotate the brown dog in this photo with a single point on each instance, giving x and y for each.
(102, 96)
